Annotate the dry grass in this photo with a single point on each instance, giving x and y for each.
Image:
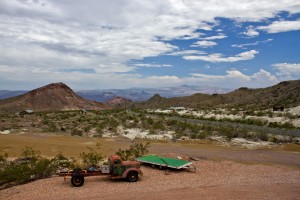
(71, 146)
(51, 145)
(291, 147)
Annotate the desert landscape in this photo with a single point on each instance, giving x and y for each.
(233, 159)
(148, 100)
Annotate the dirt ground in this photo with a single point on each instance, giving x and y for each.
(222, 173)
(213, 180)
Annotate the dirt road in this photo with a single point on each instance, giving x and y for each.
(213, 180)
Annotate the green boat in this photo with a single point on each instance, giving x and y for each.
(164, 161)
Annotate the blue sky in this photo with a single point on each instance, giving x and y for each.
(96, 44)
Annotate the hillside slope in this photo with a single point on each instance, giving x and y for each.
(286, 93)
(52, 97)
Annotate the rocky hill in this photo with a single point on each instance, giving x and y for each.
(285, 94)
(52, 97)
(118, 102)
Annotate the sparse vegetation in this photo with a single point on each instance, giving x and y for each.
(135, 150)
(31, 165)
(183, 125)
(93, 156)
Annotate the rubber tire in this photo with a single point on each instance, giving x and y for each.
(132, 176)
(77, 180)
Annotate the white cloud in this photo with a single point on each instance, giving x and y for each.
(152, 65)
(186, 52)
(263, 75)
(251, 44)
(248, 55)
(215, 37)
(204, 44)
(30, 8)
(251, 32)
(281, 26)
(288, 69)
(232, 75)
(235, 78)
(38, 37)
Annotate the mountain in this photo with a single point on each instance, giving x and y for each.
(118, 102)
(286, 93)
(52, 97)
(96, 95)
(142, 94)
(135, 94)
(4, 94)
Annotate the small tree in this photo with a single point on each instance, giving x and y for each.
(135, 150)
(92, 157)
(3, 158)
(31, 155)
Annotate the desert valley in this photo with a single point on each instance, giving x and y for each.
(149, 99)
(245, 140)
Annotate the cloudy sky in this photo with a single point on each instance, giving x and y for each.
(100, 44)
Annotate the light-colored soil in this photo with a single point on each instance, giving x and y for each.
(222, 172)
(213, 180)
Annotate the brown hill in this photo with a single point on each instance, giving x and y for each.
(52, 97)
(118, 102)
(286, 93)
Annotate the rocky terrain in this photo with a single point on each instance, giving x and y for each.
(52, 97)
(286, 94)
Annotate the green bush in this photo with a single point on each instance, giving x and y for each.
(263, 136)
(30, 166)
(3, 158)
(93, 156)
(159, 125)
(76, 132)
(15, 172)
(135, 150)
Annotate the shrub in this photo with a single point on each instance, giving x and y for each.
(159, 125)
(3, 158)
(30, 166)
(135, 150)
(76, 132)
(263, 136)
(15, 172)
(51, 127)
(92, 157)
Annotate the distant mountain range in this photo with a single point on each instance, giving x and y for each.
(142, 94)
(286, 94)
(8, 93)
(134, 94)
(58, 96)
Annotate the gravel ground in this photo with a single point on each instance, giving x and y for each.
(213, 180)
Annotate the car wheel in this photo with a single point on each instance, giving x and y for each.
(77, 180)
(132, 176)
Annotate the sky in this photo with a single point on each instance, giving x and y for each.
(103, 44)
